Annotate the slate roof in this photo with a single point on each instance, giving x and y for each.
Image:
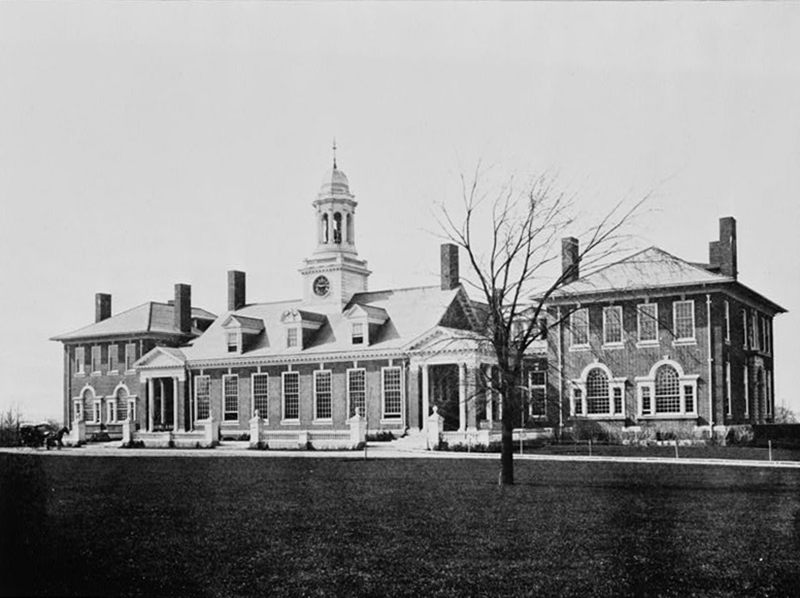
(150, 317)
(411, 311)
(650, 269)
(647, 269)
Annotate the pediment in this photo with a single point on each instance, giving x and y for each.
(160, 357)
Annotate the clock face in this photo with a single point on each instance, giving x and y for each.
(321, 286)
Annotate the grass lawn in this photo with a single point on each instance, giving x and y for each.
(227, 526)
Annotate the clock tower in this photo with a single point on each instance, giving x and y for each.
(334, 273)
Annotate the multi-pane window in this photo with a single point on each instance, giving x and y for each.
(291, 337)
(113, 358)
(230, 393)
(577, 395)
(728, 398)
(80, 360)
(768, 336)
(357, 391)
(668, 392)
(131, 410)
(392, 393)
(322, 394)
(291, 395)
(130, 356)
(579, 327)
(764, 345)
(122, 404)
(358, 333)
(647, 402)
(77, 414)
(261, 395)
(727, 321)
(596, 392)
(755, 344)
(612, 324)
(96, 358)
(97, 412)
(647, 315)
(688, 397)
(745, 329)
(88, 405)
(202, 396)
(746, 391)
(111, 411)
(537, 383)
(233, 341)
(617, 393)
(683, 316)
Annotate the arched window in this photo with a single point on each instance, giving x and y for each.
(324, 231)
(349, 228)
(337, 227)
(667, 390)
(597, 392)
(122, 404)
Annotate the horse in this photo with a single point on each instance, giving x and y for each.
(53, 438)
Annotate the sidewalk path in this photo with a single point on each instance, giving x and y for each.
(380, 450)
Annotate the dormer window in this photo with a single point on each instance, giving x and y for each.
(233, 342)
(300, 327)
(291, 337)
(364, 321)
(358, 333)
(240, 332)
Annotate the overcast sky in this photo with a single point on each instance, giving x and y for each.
(144, 144)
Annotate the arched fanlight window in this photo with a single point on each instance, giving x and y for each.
(597, 400)
(337, 227)
(667, 390)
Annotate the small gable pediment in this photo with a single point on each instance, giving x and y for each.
(161, 357)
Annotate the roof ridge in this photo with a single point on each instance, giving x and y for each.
(71, 332)
(149, 315)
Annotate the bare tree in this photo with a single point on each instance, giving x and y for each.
(784, 415)
(512, 237)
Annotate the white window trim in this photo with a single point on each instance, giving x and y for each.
(96, 371)
(649, 382)
(580, 385)
(727, 321)
(745, 330)
(298, 346)
(683, 340)
(613, 344)
(728, 397)
(98, 411)
(746, 391)
(531, 386)
(573, 346)
(77, 409)
(401, 418)
(348, 392)
(111, 410)
(130, 348)
(317, 374)
(264, 416)
(115, 348)
(237, 335)
(639, 313)
(131, 408)
(195, 389)
(80, 365)
(284, 420)
(364, 333)
(225, 398)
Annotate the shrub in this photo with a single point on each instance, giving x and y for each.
(382, 436)
(9, 428)
(134, 444)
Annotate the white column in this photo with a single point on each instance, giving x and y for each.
(425, 396)
(163, 402)
(174, 404)
(150, 404)
(462, 396)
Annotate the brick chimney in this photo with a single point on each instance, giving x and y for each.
(236, 290)
(182, 308)
(570, 259)
(722, 253)
(449, 259)
(102, 306)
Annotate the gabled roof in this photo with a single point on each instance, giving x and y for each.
(148, 318)
(410, 311)
(647, 269)
(160, 357)
(252, 325)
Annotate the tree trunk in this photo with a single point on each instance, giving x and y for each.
(507, 447)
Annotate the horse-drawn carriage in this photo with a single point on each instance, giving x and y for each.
(42, 434)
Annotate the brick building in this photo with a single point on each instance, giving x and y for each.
(654, 339)
(649, 339)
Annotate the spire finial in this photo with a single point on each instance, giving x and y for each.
(334, 153)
